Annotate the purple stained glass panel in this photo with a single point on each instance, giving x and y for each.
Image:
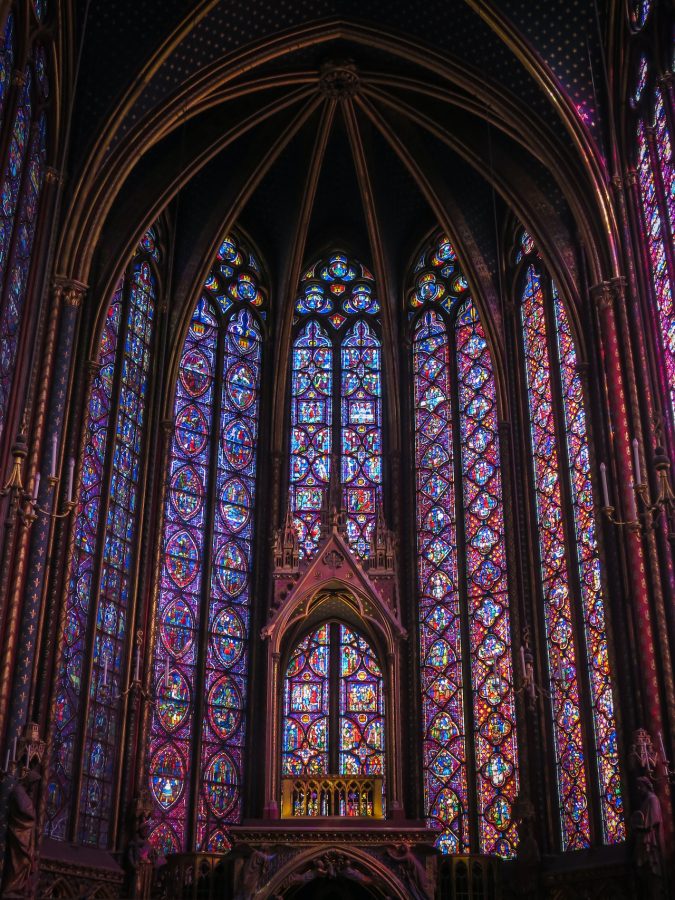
(6, 63)
(656, 235)
(101, 735)
(16, 286)
(592, 595)
(306, 707)
(361, 444)
(79, 600)
(494, 714)
(179, 603)
(561, 645)
(361, 721)
(9, 199)
(205, 588)
(311, 432)
(223, 730)
(444, 747)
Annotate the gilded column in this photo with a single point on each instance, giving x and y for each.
(32, 558)
(604, 295)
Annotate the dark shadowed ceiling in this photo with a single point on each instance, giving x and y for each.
(397, 151)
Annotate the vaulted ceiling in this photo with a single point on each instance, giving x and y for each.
(324, 121)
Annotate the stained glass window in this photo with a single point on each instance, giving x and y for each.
(639, 12)
(333, 676)
(200, 685)
(361, 433)
(465, 635)
(336, 383)
(6, 63)
(311, 431)
(570, 574)
(20, 192)
(656, 178)
(101, 573)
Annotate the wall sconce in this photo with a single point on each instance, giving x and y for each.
(28, 508)
(645, 757)
(650, 511)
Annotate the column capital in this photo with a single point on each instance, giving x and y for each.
(666, 80)
(70, 289)
(52, 175)
(618, 286)
(630, 177)
(602, 295)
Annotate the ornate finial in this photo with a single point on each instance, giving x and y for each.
(339, 79)
(286, 543)
(382, 544)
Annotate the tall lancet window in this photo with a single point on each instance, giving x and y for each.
(196, 758)
(470, 747)
(21, 178)
(656, 181)
(97, 640)
(570, 584)
(333, 709)
(336, 402)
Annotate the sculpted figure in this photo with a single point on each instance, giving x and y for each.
(254, 872)
(411, 870)
(21, 835)
(646, 838)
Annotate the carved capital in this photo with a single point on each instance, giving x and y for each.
(618, 287)
(52, 175)
(602, 295)
(70, 289)
(667, 80)
(630, 177)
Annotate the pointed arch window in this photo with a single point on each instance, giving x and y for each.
(470, 748)
(333, 708)
(198, 725)
(21, 186)
(96, 634)
(336, 383)
(656, 186)
(581, 701)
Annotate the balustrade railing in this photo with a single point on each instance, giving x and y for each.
(358, 796)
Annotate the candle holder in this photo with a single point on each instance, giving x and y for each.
(663, 506)
(647, 758)
(27, 505)
(136, 684)
(528, 685)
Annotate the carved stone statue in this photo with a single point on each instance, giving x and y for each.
(254, 872)
(21, 835)
(645, 827)
(410, 870)
(139, 855)
(528, 856)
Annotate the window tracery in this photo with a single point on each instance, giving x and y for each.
(467, 678)
(22, 178)
(198, 727)
(569, 572)
(338, 292)
(656, 181)
(333, 706)
(96, 634)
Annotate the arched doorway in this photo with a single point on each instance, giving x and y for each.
(333, 889)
